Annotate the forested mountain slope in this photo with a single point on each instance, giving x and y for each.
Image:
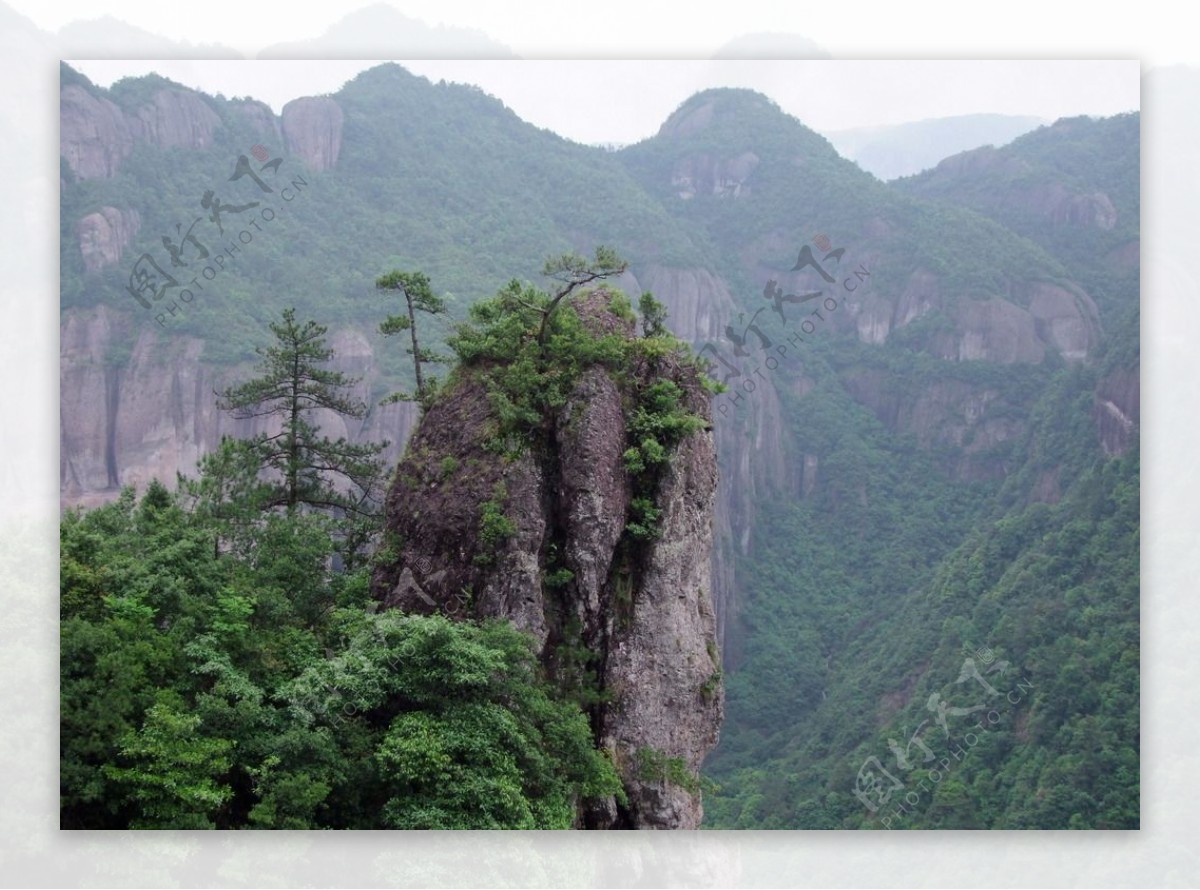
(930, 428)
(926, 422)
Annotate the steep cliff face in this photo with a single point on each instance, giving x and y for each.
(705, 174)
(104, 234)
(626, 623)
(312, 129)
(137, 405)
(751, 451)
(95, 135)
(175, 119)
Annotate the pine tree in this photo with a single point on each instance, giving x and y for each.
(573, 271)
(418, 297)
(308, 469)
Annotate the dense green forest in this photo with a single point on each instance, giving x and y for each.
(222, 664)
(865, 599)
(861, 613)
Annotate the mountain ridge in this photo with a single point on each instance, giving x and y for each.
(969, 375)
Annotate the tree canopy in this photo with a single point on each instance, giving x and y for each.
(310, 469)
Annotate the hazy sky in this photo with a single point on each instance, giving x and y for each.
(551, 28)
(626, 100)
(623, 101)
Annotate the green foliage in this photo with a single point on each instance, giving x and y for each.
(866, 594)
(572, 272)
(1094, 162)
(307, 466)
(478, 742)
(529, 354)
(643, 520)
(577, 667)
(559, 577)
(620, 306)
(418, 297)
(174, 779)
(251, 690)
(506, 192)
(659, 422)
(495, 527)
(654, 316)
(228, 494)
(653, 765)
(800, 185)
(132, 93)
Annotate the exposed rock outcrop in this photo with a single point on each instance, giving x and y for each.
(261, 118)
(104, 234)
(175, 119)
(1117, 410)
(1020, 327)
(94, 135)
(639, 612)
(698, 302)
(137, 405)
(704, 174)
(1065, 319)
(312, 129)
(1030, 193)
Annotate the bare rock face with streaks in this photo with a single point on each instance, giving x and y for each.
(569, 573)
(138, 405)
(312, 129)
(103, 235)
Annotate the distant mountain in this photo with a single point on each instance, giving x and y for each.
(1073, 187)
(99, 39)
(903, 149)
(381, 31)
(771, 45)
